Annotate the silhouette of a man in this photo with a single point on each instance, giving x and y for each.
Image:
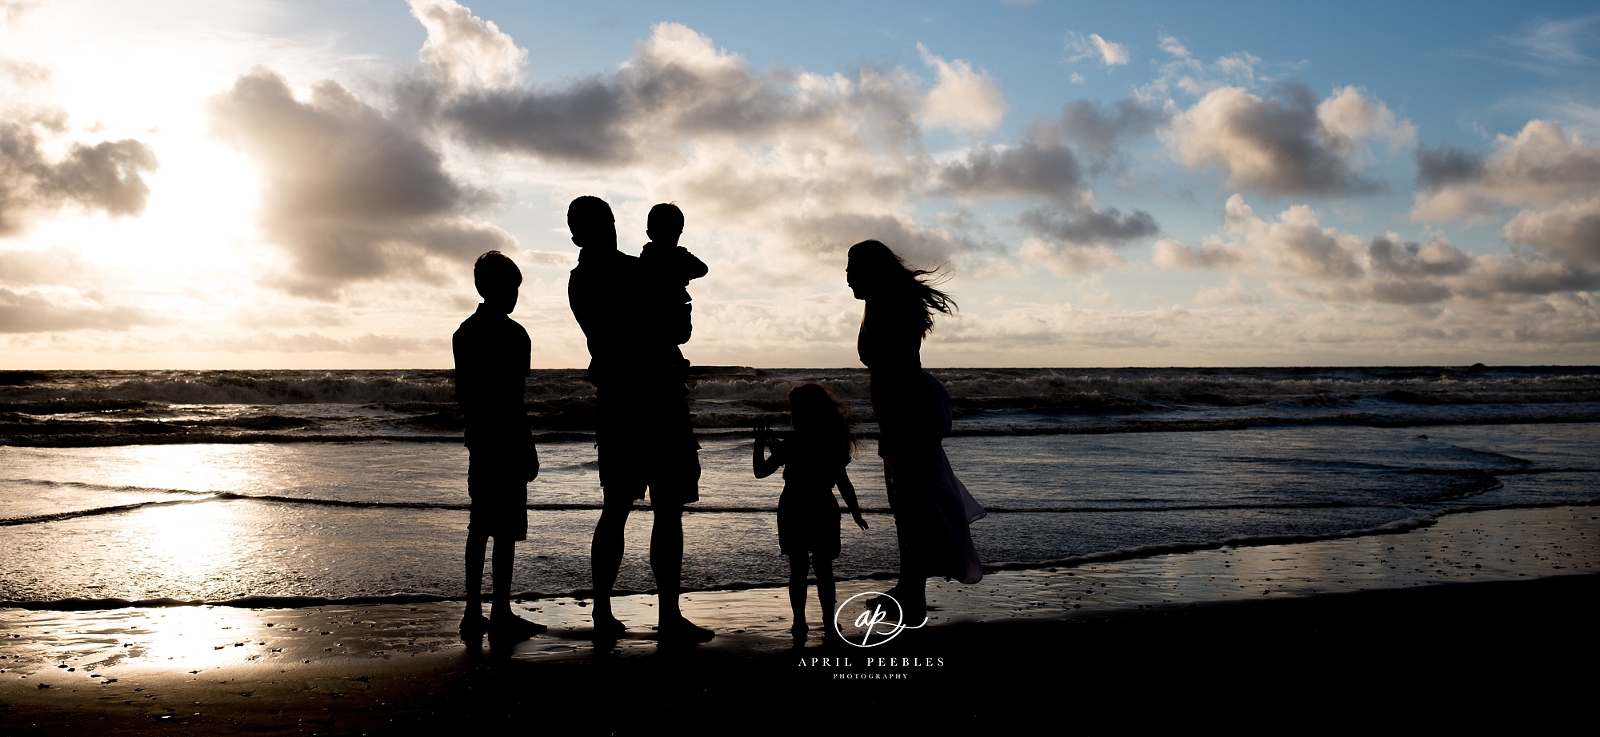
(644, 435)
(492, 354)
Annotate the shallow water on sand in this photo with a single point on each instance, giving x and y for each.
(216, 522)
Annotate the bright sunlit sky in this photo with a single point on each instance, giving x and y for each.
(260, 184)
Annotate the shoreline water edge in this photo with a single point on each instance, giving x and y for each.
(344, 667)
(279, 550)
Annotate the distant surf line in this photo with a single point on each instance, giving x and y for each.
(180, 437)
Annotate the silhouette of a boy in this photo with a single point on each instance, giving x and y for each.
(643, 431)
(672, 267)
(492, 354)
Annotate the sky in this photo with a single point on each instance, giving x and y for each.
(282, 184)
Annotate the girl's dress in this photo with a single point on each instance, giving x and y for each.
(932, 508)
(808, 515)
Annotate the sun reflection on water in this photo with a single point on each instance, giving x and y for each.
(194, 546)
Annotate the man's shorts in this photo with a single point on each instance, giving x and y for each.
(497, 483)
(644, 442)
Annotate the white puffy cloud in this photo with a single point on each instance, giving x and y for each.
(1554, 176)
(465, 49)
(961, 99)
(1092, 46)
(1570, 230)
(1288, 144)
(1540, 166)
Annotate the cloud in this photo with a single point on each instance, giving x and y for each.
(1092, 46)
(1032, 167)
(1084, 224)
(465, 49)
(54, 265)
(1075, 238)
(1540, 166)
(833, 234)
(814, 162)
(962, 99)
(1552, 175)
(28, 312)
(1173, 47)
(1184, 73)
(1301, 259)
(678, 88)
(106, 176)
(1287, 144)
(1556, 42)
(1570, 230)
(367, 344)
(1233, 293)
(1101, 128)
(350, 193)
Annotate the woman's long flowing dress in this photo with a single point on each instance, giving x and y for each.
(932, 508)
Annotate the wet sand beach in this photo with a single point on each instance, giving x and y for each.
(1492, 607)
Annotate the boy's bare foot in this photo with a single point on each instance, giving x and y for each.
(512, 628)
(473, 625)
(607, 627)
(682, 630)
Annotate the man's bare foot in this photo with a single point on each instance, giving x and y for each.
(682, 630)
(512, 628)
(607, 627)
(473, 625)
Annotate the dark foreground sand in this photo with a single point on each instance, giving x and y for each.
(1421, 637)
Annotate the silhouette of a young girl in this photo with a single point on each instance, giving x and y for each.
(813, 458)
(931, 507)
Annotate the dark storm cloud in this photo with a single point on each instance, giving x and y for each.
(348, 192)
(106, 176)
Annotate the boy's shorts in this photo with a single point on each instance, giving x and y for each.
(496, 481)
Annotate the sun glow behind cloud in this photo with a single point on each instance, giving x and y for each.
(1100, 234)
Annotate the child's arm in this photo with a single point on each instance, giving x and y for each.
(764, 466)
(848, 491)
(690, 266)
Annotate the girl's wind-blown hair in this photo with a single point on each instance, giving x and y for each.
(814, 412)
(898, 281)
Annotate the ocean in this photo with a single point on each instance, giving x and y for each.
(295, 486)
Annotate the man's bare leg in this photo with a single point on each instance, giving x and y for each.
(605, 560)
(666, 561)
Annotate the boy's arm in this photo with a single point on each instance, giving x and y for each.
(690, 265)
(763, 465)
(848, 491)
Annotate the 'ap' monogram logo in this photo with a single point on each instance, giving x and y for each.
(871, 626)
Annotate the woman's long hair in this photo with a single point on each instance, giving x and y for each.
(814, 412)
(892, 277)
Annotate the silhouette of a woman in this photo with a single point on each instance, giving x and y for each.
(931, 507)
